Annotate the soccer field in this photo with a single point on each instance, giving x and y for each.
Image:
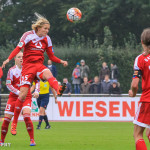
(76, 136)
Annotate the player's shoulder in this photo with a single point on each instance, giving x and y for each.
(29, 32)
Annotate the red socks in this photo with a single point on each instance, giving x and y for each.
(53, 83)
(29, 125)
(18, 107)
(4, 128)
(140, 145)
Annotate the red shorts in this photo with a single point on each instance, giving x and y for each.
(10, 106)
(31, 71)
(142, 116)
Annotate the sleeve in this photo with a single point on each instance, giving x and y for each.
(37, 87)
(9, 85)
(138, 67)
(1, 72)
(51, 55)
(23, 41)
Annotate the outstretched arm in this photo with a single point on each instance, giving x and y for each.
(53, 58)
(12, 55)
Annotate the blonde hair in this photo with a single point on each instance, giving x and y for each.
(40, 21)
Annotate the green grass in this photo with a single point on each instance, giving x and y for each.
(76, 136)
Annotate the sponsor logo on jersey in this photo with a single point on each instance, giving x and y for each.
(20, 44)
(8, 81)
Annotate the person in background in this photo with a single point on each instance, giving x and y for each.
(95, 87)
(42, 101)
(114, 73)
(85, 86)
(104, 71)
(68, 89)
(76, 78)
(106, 84)
(52, 68)
(114, 88)
(84, 69)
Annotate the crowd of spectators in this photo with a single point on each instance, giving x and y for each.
(105, 83)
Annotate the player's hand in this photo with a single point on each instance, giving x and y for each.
(35, 95)
(5, 62)
(130, 93)
(56, 101)
(65, 63)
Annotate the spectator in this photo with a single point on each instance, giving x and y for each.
(115, 89)
(68, 89)
(106, 84)
(114, 73)
(84, 69)
(76, 78)
(52, 68)
(104, 71)
(95, 86)
(85, 86)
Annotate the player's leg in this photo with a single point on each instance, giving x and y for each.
(9, 112)
(18, 107)
(4, 127)
(41, 116)
(46, 121)
(45, 74)
(138, 137)
(27, 119)
(148, 133)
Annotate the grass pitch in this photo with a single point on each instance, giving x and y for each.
(75, 136)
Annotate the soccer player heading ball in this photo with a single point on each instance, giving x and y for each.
(142, 69)
(35, 43)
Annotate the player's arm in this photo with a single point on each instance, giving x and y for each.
(54, 93)
(134, 84)
(53, 58)
(36, 87)
(9, 85)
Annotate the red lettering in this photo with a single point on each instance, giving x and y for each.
(65, 108)
(99, 106)
(127, 108)
(86, 108)
(112, 108)
(78, 108)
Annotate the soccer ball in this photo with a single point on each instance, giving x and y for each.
(74, 14)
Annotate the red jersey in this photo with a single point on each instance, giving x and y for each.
(13, 81)
(34, 48)
(142, 63)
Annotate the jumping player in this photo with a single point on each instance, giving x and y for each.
(142, 69)
(13, 84)
(35, 43)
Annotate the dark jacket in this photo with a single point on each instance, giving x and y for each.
(106, 87)
(85, 88)
(95, 88)
(115, 90)
(114, 74)
(103, 72)
(53, 69)
(68, 88)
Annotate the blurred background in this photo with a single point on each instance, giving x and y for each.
(109, 31)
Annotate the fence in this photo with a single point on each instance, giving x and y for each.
(85, 108)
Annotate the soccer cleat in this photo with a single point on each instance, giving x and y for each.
(61, 89)
(48, 127)
(38, 127)
(13, 129)
(1, 143)
(32, 142)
